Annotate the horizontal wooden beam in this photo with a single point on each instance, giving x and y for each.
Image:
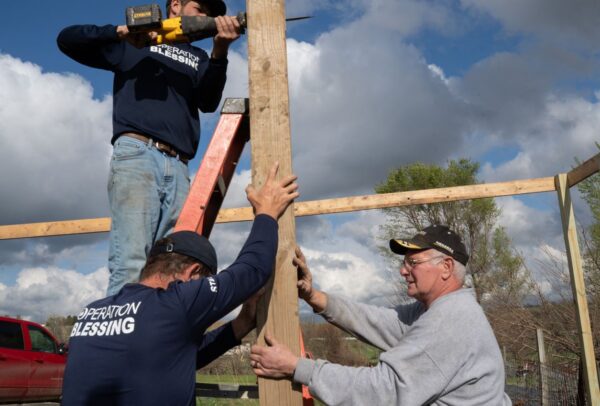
(584, 171)
(387, 200)
(310, 208)
(55, 228)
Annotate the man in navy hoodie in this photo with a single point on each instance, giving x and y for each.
(157, 92)
(139, 347)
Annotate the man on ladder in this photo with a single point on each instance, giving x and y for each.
(158, 91)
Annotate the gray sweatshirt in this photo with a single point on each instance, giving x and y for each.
(446, 355)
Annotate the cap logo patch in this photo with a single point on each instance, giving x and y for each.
(169, 247)
(444, 246)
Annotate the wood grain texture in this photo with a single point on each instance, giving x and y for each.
(583, 171)
(310, 208)
(270, 141)
(578, 288)
(55, 228)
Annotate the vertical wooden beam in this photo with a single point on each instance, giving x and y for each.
(543, 368)
(578, 288)
(270, 141)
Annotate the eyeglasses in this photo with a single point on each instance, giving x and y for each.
(410, 263)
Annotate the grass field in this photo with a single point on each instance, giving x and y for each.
(237, 379)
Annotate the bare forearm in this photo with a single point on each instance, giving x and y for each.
(220, 51)
(317, 300)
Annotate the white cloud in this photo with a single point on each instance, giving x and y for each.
(237, 76)
(347, 274)
(565, 129)
(538, 237)
(41, 292)
(407, 17)
(55, 145)
(529, 226)
(575, 23)
(236, 194)
(298, 8)
(359, 111)
(344, 259)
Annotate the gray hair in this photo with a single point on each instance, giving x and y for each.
(460, 272)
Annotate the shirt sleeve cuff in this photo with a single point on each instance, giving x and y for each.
(304, 370)
(265, 218)
(329, 307)
(219, 62)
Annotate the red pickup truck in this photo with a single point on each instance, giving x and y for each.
(32, 362)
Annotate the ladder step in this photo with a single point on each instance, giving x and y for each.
(222, 185)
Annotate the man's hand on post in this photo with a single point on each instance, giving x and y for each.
(274, 361)
(305, 288)
(228, 30)
(274, 196)
(315, 298)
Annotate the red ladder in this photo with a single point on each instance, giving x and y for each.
(207, 192)
(200, 210)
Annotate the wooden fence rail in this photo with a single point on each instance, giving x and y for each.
(309, 208)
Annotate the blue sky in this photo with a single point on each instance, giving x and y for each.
(374, 84)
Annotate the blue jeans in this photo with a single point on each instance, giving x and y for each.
(146, 190)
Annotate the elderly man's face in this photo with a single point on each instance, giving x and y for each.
(422, 271)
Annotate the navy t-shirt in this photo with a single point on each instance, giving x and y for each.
(157, 90)
(139, 346)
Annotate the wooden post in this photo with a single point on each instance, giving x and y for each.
(270, 140)
(578, 288)
(543, 374)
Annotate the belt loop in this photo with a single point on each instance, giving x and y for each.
(150, 142)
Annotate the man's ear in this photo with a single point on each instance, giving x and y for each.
(174, 9)
(448, 264)
(187, 272)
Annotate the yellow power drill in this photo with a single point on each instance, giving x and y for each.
(178, 29)
(148, 18)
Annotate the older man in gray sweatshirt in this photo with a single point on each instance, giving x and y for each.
(439, 350)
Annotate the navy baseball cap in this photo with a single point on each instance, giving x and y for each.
(438, 237)
(191, 244)
(216, 7)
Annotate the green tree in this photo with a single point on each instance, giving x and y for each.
(60, 326)
(474, 220)
(590, 192)
(508, 280)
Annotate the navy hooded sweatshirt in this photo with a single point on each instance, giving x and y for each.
(139, 346)
(157, 90)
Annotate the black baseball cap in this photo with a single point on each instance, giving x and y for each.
(438, 237)
(191, 244)
(216, 7)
